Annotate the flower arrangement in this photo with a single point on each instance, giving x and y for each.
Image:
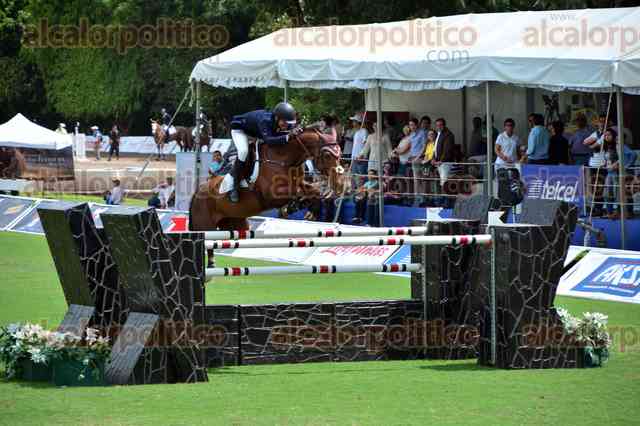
(590, 331)
(31, 342)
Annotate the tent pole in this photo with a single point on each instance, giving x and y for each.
(197, 112)
(380, 137)
(286, 91)
(622, 190)
(489, 172)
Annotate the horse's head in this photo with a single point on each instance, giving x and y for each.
(155, 126)
(325, 154)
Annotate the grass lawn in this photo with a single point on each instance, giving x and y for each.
(388, 392)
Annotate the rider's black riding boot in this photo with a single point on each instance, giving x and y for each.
(236, 173)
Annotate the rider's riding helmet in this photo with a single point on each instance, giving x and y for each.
(286, 112)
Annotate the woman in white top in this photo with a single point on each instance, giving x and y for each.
(507, 146)
(371, 149)
(403, 151)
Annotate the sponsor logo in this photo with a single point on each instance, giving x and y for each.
(615, 276)
(357, 251)
(558, 183)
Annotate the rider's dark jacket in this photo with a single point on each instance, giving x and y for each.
(166, 119)
(259, 124)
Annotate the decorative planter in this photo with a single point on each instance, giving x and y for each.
(595, 357)
(71, 372)
(35, 372)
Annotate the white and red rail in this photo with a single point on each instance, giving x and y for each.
(309, 269)
(424, 240)
(355, 232)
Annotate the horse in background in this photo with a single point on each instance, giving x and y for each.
(182, 136)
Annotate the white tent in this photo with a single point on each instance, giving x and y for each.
(588, 50)
(19, 132)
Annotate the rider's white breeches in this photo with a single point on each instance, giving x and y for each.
(241, 141)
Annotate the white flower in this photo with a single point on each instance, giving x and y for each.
(37, 356)
(85, 361)
(81, 376)
(92, 335)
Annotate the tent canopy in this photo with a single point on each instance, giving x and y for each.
(588, 50)
(19, 132)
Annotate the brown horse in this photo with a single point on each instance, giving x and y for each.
(182, 136)
(205, 137)
(281, 179)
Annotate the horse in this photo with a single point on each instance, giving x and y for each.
(182, 136)
(280, 180)
(205, 136)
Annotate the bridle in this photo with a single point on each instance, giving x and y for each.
(326, 147)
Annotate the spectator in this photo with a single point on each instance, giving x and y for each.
(538, 143)
(98, 141)
(403, 151)
(372, 149)
(558, 145)
(597, 162)
(390, 129)
(114, 141)
(166, 193)
(372, 199)
(114, 197)
(215, 168)
(62, 129)
(579, 151)
(429, 170)
(507, 146)
(417, 138)
(612, 187)
(348, 138)
(477, 147)
(154, 201)
(444, 150)
(359, 140)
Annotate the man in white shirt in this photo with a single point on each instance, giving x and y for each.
(114, 197)
(359, 139)
(507, 146)
(597, 171)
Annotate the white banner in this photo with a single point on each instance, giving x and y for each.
(147, 145)
(185, 176)
(604, 276)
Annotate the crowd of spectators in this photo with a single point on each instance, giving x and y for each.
(425, 165)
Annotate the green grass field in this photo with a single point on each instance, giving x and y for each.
(391, 392)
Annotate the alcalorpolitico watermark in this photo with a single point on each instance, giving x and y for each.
(581, 34)
(419, 33)
(166, 33)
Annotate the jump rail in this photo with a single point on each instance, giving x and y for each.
(310, 269)
(249, 235)
(455, 240)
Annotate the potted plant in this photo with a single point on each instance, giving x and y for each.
(80, 361)
(591, 332)
(25, 353)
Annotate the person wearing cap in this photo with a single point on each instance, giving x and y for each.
(272, 127)
(98, 140)
(62, 129)
(114, 197)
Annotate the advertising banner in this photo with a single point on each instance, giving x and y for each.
(49, 163)
(11, 208)
(554, 182)
(604, 277)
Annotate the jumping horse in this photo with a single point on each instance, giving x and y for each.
(280, 180)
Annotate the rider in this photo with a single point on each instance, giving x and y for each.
(166, 121)
(272, 127)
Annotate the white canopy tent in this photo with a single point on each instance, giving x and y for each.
(19, 132)
(593, 50)
(590, 50)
